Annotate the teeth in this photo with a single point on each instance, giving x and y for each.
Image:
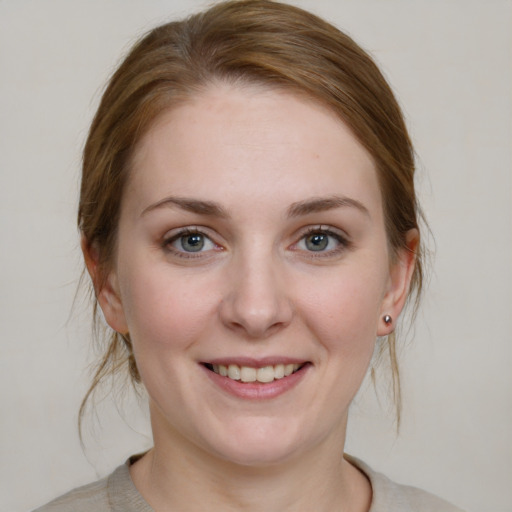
(266, 374)
(233, 371)
(279, 371)
(249, 374)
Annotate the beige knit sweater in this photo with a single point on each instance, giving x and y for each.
(117, 493)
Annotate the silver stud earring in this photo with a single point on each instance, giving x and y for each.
(387, 319)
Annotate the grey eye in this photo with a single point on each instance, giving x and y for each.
(188, 242)
(193, 242)
(317, 241)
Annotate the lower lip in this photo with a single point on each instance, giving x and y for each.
(257, 390)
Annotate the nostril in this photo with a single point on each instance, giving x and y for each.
(256, 305)
(255, 331)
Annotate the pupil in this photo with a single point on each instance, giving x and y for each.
(192, 243)
(317, 242)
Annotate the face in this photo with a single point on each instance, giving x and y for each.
(252, 273)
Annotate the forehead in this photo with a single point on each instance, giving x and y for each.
(251, 140)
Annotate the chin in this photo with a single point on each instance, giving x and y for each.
(259, 455)
(259, 444)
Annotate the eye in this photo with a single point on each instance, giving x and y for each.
(317, 242)
(321, 240)
(189, 241)
(193, 242)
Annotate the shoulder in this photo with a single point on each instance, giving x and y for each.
(389, 495)
(114, 493)
(92, 497)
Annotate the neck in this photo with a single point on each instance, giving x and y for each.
(178, 475)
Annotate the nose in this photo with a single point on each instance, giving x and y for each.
(256, 302)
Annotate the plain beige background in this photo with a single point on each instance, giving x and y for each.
(450, 64)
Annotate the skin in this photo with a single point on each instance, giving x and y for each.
(271, 164)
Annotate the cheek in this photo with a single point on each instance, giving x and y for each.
(344, 312)
(164, 311)
(163, 324)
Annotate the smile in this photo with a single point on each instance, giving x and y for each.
(250, 379)
(264, 374)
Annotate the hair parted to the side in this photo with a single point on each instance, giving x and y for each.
(245, 41)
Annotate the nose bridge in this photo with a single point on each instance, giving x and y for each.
(256, 300)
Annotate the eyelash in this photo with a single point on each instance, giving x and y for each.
(342, 241)
(189, 231)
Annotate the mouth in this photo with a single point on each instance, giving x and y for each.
(248, 374)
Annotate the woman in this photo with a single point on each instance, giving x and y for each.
(250, 226)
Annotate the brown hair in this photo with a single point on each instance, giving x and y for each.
(247, 41)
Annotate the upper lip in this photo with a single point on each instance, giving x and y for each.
(255, 362)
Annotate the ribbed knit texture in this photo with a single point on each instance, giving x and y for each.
(117, 493)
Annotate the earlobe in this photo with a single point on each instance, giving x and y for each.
(400, 275)
(106, 288)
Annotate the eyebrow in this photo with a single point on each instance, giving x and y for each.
(321, 204)
(200, 207)
(213, 209)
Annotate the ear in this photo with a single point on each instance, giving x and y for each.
(106, 288)
(400, 275)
